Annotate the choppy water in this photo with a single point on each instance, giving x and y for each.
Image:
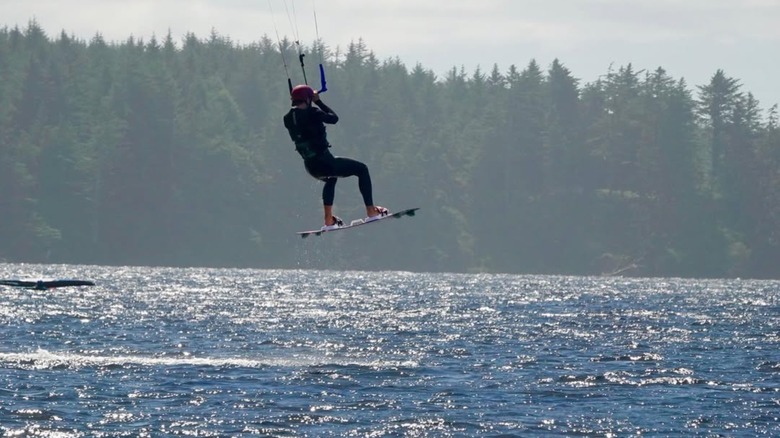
(209, 352)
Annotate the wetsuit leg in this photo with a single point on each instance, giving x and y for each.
(344, 167)
(329, 191)
(329, 168)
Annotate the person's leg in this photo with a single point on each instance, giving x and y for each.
(322, 170)
(328, 196)
(344, 167)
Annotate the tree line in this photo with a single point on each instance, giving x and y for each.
(173, 153)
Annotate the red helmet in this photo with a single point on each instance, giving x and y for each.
(302, 93)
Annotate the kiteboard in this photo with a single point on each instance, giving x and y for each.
(358, 222)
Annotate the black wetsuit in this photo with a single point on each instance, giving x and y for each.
(307, 131)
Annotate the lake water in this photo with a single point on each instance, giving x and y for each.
(220, 352)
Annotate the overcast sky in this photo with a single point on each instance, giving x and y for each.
(689, 38)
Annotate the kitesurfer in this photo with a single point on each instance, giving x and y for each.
(306, 124)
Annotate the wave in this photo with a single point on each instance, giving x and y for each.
(43, 359)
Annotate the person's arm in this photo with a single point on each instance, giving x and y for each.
(328, 115)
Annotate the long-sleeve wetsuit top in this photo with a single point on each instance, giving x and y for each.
(307, 129)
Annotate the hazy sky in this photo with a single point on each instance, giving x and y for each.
(689, 38)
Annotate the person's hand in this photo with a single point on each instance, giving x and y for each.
(316, 97)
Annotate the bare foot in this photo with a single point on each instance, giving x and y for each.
(373, 211)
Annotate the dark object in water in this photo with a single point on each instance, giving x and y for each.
(45, 284)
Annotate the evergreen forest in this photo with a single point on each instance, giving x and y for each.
(172, 152)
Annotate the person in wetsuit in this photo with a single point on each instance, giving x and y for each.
(306, 124)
